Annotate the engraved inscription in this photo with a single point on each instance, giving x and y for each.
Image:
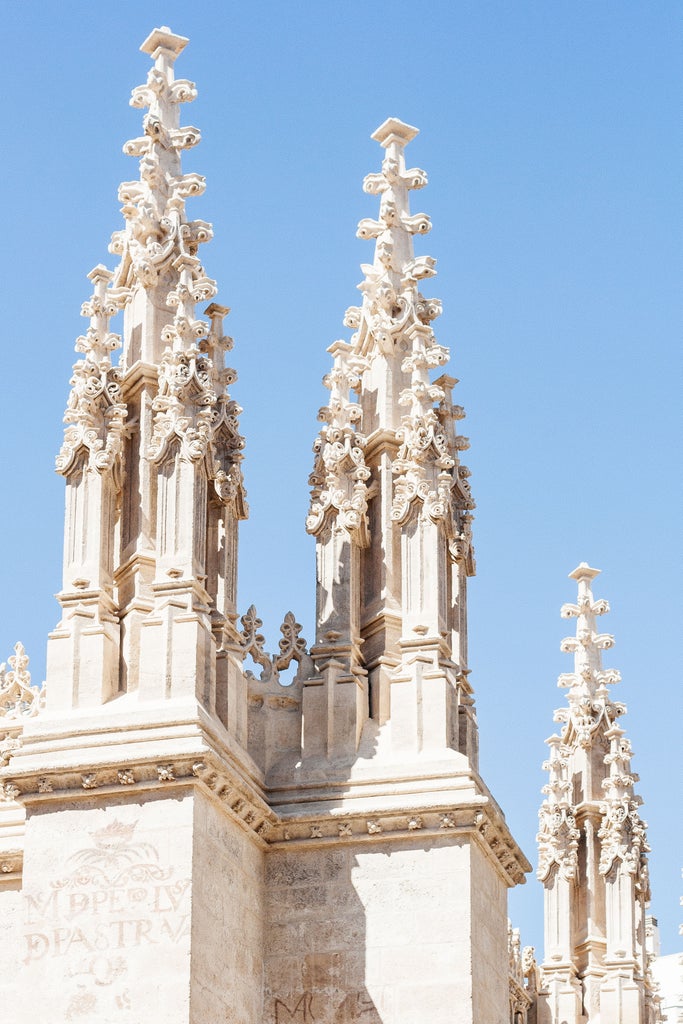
(114, 896)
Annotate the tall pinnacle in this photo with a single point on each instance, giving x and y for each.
(390, 502)
(161, 432)
(591, 832)
(394, 323)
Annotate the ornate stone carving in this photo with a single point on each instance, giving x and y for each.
(558, 836)
(193, 407)
(622, 832)
(585, 802)
(95, 415)
(292, 645)
(394, 317)
(253, 642)
(154, 206)
(18, 699)
(339, 477)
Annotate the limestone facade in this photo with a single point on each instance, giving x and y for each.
(188, 840)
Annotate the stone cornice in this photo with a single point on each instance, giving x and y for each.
(392, 802)
(382, 802)
(474, 820)
(375, 820)
(141, 777)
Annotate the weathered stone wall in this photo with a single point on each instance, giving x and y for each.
(227, 920)
(490, 966)
(361, 933)
(105, 922)
(10, 910)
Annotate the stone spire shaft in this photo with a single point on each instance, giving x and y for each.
(391, 505)
(152, 449)
(592, 846)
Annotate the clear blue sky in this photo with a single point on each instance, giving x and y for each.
(550, 131)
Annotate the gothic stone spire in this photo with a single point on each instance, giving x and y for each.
(592, 845)
(390, 502)
(152, 447)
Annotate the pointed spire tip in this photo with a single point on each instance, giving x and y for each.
(393, 130)
(163, 39)
(583, 571)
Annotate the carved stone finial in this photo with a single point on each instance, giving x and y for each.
(95, 414)
(583, 571)
(18, 699)
(163, 39)
(394, 131)
(587, 644)
(339, 478)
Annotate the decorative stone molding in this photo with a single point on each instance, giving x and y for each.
(292, 647)
(138, 777)
(351, 826)
(11, 865)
